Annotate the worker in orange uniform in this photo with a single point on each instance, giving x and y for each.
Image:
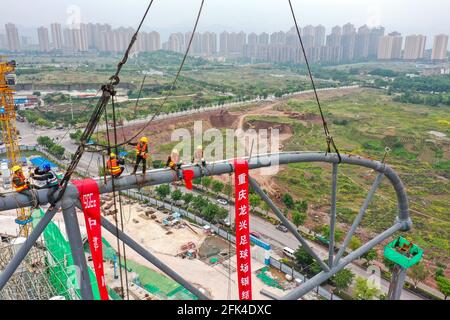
(21, 184)
(141, 155)
(114, 165)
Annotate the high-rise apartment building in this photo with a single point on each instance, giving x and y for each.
(12, 35)
(319, 36)
(440, 45)
(390, 46)
(43, 38)
(57, 38)
(348, 42)
(414, 47)
(362, 39)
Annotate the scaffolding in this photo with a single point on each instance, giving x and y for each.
(39, 276)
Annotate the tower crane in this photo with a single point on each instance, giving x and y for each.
(9, 132)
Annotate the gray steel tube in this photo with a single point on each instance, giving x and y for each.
(76, 245)
(159, 176)
(323, 276)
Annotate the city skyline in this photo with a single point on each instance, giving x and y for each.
(251, 15)
(343, 44)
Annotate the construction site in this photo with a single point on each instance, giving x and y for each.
(68, 235)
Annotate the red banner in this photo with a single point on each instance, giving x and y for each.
(90, 201)
(242, 229)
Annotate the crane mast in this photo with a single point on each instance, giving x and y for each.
(9, 132)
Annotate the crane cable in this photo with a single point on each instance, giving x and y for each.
(115, 211)
(119, 197)
(328, 137)
(180, 68)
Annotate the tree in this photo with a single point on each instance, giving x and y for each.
(265, 207)
(287, 200)
(163, 190)
(187, 198)
(176, 195)
(443, 286)
(302, 258)
(370, 255)
(355, 243)
(206, 181)
(301, 206)
(57, 150)
(217, 186)
(227, 188)
(363, 291)
(254, 200)
(199, 202)
(418, 273)
(298, 218)
(343, 279)
(45, 141)
(211, 212)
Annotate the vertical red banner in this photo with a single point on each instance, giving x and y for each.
(242, 225)
(90, 201)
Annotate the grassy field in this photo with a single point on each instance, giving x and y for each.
(365, 124)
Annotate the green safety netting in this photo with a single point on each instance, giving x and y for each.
(60, 262)
(268, 280)
(403, 252)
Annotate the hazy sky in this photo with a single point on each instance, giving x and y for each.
(406, 16)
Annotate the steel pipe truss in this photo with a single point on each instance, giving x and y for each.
(159, 176)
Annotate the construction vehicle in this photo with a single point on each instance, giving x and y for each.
(10, 135)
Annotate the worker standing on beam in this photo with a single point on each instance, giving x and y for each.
(114, 165)
(141, 155)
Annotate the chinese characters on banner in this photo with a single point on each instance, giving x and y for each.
(90, 201)
(242, 229)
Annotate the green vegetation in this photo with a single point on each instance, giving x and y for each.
(418, 273)
(444, 286)
(363, 291)
(343, 279)
(51, 146)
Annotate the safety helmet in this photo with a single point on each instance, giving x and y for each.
(144, 139)
(112, 155)
(16, 168)
(175, 151)
(199, 147)
(46, 167)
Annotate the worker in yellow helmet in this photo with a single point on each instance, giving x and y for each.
(22, 185)
(141, 155)
(198, 156)
(114, 165)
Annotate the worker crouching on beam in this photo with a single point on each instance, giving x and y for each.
(141, 155)
(22, 185)
(114, 165)
(46, 178)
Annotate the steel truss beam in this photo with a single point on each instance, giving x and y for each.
(160, 176)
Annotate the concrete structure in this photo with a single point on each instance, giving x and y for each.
(57, 37)
(348, 42)
(12, 35)
(440, 47)
(414, 47)
(390, 46)
(44, 41)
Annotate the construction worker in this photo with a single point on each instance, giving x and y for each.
(44, 178)
(114, 165)
(141, 155)
(21, 184)
(174, 163)
(198, 156)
